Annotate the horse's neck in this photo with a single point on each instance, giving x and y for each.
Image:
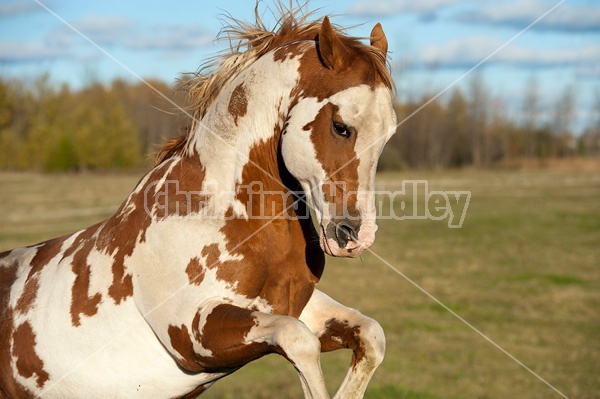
(237, 139)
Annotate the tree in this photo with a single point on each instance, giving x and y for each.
(564, 111)
(564, 114)
(103, 134)
(530, 115)
(456, 130)
(478, 118)
(589, 142)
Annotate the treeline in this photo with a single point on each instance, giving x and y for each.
(471, 127)
(119, 125)
(100, 127)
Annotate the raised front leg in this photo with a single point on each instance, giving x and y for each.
(231, 337)
(338, 327)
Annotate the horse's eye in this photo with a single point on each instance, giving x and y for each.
(341, 129)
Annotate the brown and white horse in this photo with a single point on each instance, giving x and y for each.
(212, 261)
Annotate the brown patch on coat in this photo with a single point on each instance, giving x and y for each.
(8, 275)
(225, 324)
(283, 263)
(28, 296)
(336, 154)
(81, 302)
(80, 241)
(28, 362)
(45, 252)
(181, 341)
(224, 333)
(195, 271)
(228, 270)
(212, 254)
(122, 286)
(339, 335)
(319, 82)
(8, 385)
(355, 62)
(117, 239)
(238, 103)
(181, 194)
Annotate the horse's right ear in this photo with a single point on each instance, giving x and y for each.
(332, 51)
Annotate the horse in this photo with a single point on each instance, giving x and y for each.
(213, 259)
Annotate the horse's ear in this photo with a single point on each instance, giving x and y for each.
(378, 38)
(332, 51)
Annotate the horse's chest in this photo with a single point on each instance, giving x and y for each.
(284, 286)
(288, 289)
(275, 267)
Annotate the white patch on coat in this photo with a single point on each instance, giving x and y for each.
(379, 127)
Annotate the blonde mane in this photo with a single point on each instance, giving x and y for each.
(292, 25)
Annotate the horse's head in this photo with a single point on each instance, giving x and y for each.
(340, 118)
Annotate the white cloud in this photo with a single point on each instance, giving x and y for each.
(380, 8)
(172, 39)
(18, 7)
(467, 52)
(520, 13)
(13, 52)
(121, 31)
(103, 30)
(106, 31)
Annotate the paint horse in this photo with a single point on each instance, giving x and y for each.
(200, 271)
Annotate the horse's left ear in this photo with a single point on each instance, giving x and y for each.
(378, 38)
(332, 51)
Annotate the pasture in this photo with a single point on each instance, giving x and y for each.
(524, 269)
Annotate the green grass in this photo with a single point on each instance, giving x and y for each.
(524, 269)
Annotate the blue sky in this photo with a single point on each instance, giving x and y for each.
(432, 42)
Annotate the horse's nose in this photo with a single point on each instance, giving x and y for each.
(346, 231)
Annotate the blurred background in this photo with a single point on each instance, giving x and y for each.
(537, 96)
(500, 98)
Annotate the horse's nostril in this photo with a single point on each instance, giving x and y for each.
(345, 233)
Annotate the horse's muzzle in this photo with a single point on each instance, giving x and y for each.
(344, 238)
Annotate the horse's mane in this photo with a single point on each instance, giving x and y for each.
(292, 25)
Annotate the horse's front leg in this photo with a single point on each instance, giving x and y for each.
(236, 336)
(338, 327)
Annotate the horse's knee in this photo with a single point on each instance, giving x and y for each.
(295, 340)
(373, 338)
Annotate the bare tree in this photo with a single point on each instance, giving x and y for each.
(456, 130)
(564, 115)
(564, 111)
(530, 115)
(589, 142)
(478, 118)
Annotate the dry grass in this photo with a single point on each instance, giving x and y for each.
(524, 269)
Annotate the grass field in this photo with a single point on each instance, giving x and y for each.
(524, 269)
